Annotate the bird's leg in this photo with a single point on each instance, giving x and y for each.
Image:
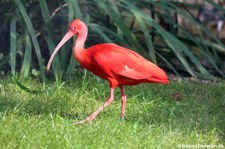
(123, 100)
(108, 102)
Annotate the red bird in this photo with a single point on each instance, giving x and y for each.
(118, 65)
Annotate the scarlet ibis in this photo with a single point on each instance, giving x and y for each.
(118, 65)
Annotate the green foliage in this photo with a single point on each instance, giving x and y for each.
(31, 29)
(154, 117)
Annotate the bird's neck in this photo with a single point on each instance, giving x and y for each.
(79, 43)
(78, 49)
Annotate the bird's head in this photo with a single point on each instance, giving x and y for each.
(75, 27)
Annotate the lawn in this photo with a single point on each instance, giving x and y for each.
(181, 114)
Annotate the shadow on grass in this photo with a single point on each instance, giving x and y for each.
(36, 107)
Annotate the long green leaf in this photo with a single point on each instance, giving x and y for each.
(100, 32)
(113, 34)
(27, 56)
(71, 11)
(77, 9)
(33, 37)
(217, 6)
(50, 37)
(13, 45)
(44, 11)
(51, 47)
(148, 38)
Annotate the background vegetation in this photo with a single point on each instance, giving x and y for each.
(168, 33)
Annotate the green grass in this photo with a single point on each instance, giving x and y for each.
(153, 118)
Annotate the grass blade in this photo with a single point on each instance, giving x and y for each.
(29, 90)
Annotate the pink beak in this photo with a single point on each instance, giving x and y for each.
(66, 37)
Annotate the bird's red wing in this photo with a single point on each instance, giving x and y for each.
(122, 62)
(115, 66)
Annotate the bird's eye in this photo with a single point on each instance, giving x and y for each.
(74, 28)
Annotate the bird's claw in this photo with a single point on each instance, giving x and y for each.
(84, 121)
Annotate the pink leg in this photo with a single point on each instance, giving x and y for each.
(108, 102)
(123, 100)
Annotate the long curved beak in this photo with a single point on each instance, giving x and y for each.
(66, 37)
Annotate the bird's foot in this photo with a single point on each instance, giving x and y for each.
(80, 122)
(122, 119)
(88, 119)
